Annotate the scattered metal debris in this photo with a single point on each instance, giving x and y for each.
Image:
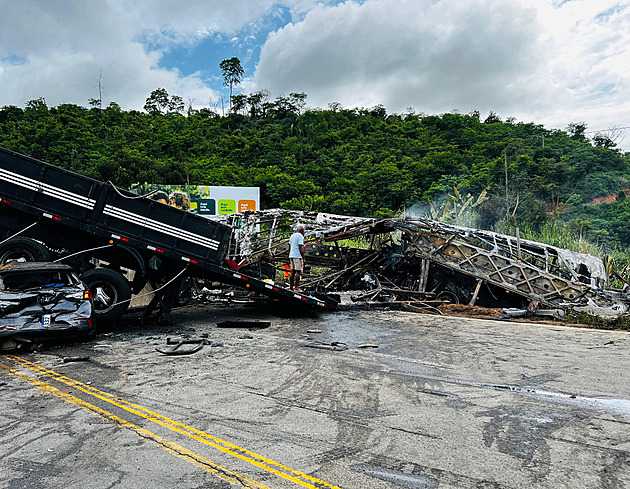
(334, 346)
(177, 350)
(418, 264)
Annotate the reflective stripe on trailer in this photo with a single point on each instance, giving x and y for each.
(46, 189)
(161, 227)
(189, 260)
(50, 216)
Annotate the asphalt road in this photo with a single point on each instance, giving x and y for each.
(441, 403)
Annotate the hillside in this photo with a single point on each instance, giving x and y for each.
(362, 162)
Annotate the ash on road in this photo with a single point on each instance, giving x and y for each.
(442, 402)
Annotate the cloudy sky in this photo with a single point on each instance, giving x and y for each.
(548, 61)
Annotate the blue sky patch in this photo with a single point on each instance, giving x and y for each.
(13, 60)
(604, 16)
(205, 56)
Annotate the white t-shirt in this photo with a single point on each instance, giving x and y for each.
(295, 241)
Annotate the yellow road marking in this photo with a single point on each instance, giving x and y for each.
(200, 461)
(259, 461)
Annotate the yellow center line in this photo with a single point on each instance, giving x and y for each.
(259, 461)
(200, 461)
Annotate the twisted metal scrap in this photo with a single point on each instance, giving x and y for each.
(541, 273)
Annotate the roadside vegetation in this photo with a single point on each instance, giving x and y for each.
(588, 320)
(485, 172)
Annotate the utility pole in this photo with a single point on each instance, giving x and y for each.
(507, 201)
(100, 88)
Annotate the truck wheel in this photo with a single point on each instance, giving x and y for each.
(23, 249)
(110, 293)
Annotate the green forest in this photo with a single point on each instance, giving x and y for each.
(481, 171)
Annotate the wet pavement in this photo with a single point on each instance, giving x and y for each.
(441, 402)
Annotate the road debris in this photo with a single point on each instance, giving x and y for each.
(334, 346)
(177, 349)
(418, 264)
(75, 359)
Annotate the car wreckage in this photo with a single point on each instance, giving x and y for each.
(40, 301)
(420, 262)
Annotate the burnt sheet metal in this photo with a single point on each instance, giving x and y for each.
(260, 234)
(428, 257)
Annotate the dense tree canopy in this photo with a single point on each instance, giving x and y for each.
(360, 161)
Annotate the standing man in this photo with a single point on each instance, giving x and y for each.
(296, 257)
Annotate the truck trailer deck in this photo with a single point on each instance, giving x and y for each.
(76, 218)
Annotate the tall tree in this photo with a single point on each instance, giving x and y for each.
(176, 104)
(239, 102)
(603, 141)
(157, 101)
(98, 102)
(256, 102)
(299, 100)
(576, 131)
(232, 73)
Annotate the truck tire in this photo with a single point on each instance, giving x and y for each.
(110, 293)
(23, 249)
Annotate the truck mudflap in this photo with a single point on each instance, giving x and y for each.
(273, 291)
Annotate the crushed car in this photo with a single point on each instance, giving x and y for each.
(42, 301)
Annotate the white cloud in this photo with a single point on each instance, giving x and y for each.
(546, 61)
(61, 47)
(528, 59)
(434, 55)
(195, 19)
(592, 62)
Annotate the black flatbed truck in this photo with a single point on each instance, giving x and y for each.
(59, 213)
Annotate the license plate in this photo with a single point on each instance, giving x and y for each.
(46, 320)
